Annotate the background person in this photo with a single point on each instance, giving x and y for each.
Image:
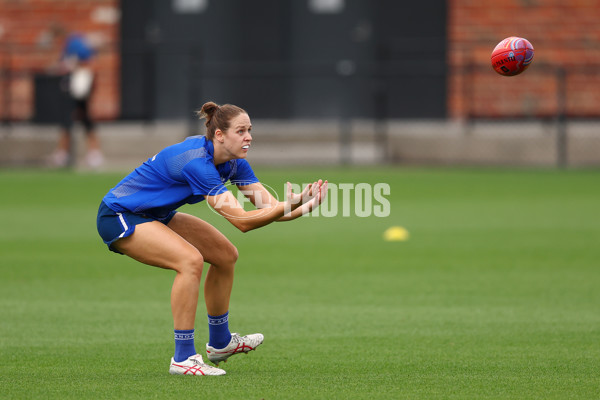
(77, 86)
(137, 218)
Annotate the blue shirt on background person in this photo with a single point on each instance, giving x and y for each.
(77, 46)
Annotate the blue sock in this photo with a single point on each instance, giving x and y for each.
(184, 345)
(218, 331)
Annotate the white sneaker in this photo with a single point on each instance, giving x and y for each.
(194, 365)
(238, 344)
(58, 159)
(94, 159)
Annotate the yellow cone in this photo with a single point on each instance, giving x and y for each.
(396, 234)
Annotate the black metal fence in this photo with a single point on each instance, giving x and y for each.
(553, 94)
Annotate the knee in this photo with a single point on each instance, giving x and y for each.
(232, 254)
(227, 256)
(193, 264)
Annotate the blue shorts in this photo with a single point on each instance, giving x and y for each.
(113, 225)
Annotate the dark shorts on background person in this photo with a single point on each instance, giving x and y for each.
(76, 110)
(113, 225)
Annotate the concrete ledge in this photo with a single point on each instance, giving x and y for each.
(127, 144)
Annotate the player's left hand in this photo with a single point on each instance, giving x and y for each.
(320, 192)
(296, 200)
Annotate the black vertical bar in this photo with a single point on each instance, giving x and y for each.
(345, 140)
(151, 42)
(381, 97)
(468, 93)
(195, 64)
(68, 110)
(561, 120)
(346, 119)
(380, 102)
(6, 74)
(149, 83)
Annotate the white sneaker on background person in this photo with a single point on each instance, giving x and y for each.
(94, 159)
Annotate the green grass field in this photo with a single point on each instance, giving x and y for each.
(495, 296)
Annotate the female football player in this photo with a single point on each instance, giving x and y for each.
(138, 218)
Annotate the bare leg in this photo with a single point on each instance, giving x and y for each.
(222, 255)
(217, 289)
(64, 142)
(92, 141)
(218, 251)
(184, 300)
(94, 157)
(61, 156)
(155, 244)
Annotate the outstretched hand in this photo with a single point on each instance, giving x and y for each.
(310, 198)
(295, 200)
(317, 200)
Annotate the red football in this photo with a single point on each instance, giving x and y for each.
(512, 56)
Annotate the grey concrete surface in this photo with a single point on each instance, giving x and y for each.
(127, 144)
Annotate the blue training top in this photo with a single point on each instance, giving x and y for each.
(179, 174)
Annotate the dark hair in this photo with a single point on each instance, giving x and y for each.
(218, 117)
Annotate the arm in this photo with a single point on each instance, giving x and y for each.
(261, 198)
(227, 205)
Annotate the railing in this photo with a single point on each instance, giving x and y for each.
(552, 93)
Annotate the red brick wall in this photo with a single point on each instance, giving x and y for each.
(27, 48)
(564, 34)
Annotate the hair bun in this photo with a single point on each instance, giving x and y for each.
(208, 110)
